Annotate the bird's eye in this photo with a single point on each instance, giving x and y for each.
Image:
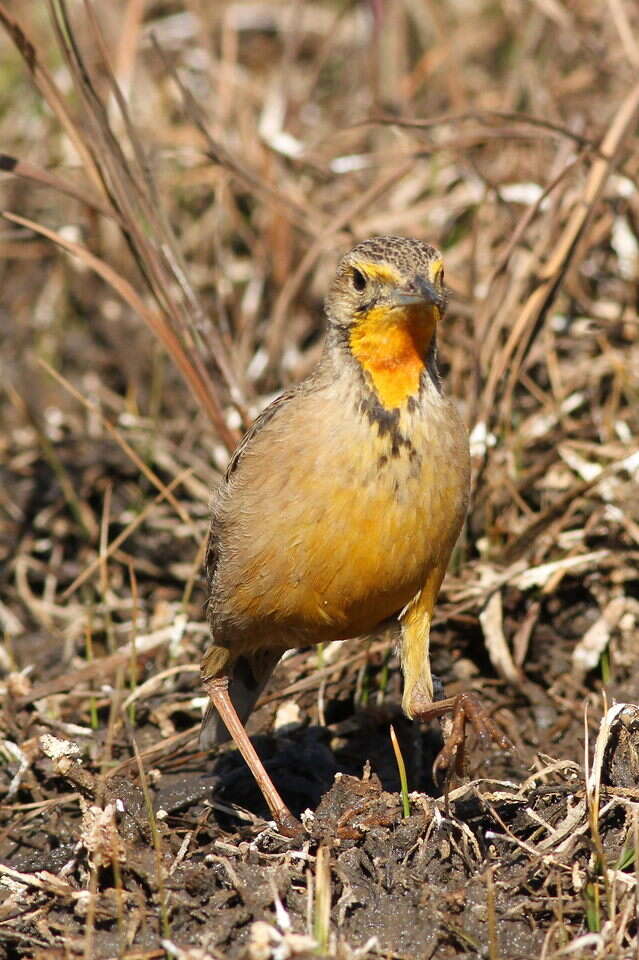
(359, 280)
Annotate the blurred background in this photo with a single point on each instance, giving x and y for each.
(178, 181)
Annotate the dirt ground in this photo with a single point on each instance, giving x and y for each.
(202, 234)
(508, 862)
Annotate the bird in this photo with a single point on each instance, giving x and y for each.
(341, 505)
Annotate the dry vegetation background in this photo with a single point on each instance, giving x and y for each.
(203, 203)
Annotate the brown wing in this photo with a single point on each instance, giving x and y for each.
(211, 555)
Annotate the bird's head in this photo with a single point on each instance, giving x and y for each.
(385, 301)
(387, 278)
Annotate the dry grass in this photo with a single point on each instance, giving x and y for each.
(203, 166)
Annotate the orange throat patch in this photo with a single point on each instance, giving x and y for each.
(391, 344)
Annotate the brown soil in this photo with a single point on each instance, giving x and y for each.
(507, 860)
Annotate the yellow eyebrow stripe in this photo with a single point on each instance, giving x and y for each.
(387, 274)
(435, 267)
(379, 271)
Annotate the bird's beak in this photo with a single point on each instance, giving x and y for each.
(421, 292)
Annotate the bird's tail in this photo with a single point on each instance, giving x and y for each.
(250, 675)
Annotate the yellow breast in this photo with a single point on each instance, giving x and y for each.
(330, 526)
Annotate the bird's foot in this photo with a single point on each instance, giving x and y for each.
(465, 708)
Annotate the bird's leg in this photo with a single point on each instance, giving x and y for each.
(418, 685)
(415, 644)
(218, 690)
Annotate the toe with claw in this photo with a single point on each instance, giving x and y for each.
(465, 709)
